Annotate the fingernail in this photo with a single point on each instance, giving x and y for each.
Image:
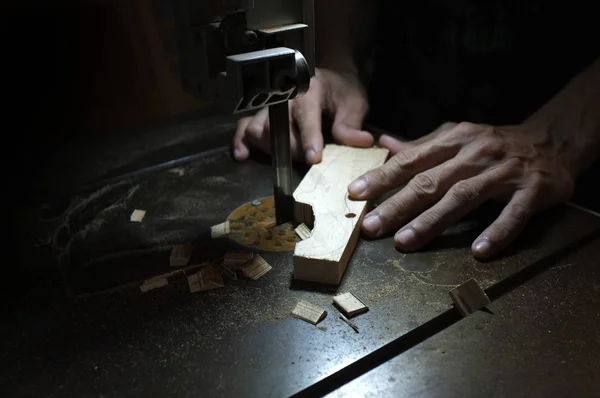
(240, 153)
(482, 248)
(358, 186)
(312, 156)
(237, 153)
(372, 224)
(406, 238)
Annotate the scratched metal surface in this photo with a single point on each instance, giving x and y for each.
(238, 340)
(540, 340)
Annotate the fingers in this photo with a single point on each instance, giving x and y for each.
(255, 131)
(420, 193)
(348, 122)
(395, 145)
(399, 169)
(240, 149)
(507, 226)
(307, 114)
(462, 198)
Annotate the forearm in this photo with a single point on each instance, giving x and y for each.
(344, 33)
(572, 119)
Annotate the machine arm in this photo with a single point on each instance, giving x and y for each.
(245, 55)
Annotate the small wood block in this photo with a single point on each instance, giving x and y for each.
(321, 202)
(153, 283)
(137, 215)
(309, 312)
(469, 297)
(256, 268)
(180, 255)
(303, 231)
(206, 279)
(219, 230)
(349, 304)
(235, 260)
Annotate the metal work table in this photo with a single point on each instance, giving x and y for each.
(109, 339)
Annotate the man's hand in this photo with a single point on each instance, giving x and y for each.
(453, 170)
(340, 94)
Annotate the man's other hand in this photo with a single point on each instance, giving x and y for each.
(453, 170)
(339, 94)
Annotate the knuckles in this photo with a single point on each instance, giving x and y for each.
(424, 184)
(464, 192)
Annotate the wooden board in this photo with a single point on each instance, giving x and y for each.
(322, 203)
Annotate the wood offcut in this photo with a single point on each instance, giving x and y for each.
(469, 297)
(208, 278)
(349, 304)
(309, 312)
(235, 260)
(180, 255)
(302, 231)
(322, 202)
(153, 283)
(220, 230)
(137, 215)
(256, 268)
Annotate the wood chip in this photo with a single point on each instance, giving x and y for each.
(256, 268)
(229, 273)
(235, 260)
(219, 230)
(180, 255)
(303, 231)
(469, 297)
(153, 283)
(137, 215)
(309, 312)
(207, 279)
(349, 304)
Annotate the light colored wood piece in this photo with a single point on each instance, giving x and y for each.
(256, 268)
(235, 260)
(303, 231)
(180, 255)
(153, 283)
(469, 297)
(137, 215)
(206, 279)
(349, 304)
(321, 202)
(309, 312)
(219, 230)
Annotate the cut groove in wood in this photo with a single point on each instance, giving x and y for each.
(220, 230)
(137, 215)
(349, 304)
(180, 255)
(207, 279)
(469, 297)
(309, 312)
(256, 268)
(322, 203)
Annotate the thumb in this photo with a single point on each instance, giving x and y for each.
(347, 124)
